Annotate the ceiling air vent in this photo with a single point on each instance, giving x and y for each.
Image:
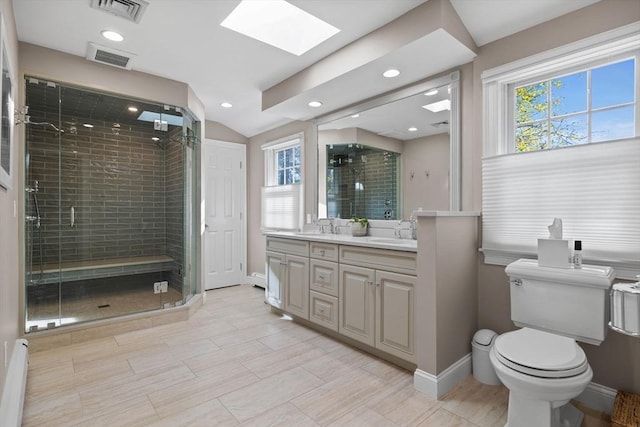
(439, 125)
(130, 10)
(109, 56)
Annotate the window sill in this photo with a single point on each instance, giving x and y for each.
(626, 270)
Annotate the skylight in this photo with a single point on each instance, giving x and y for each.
(279, 24)
(435, 107)
(150, 116)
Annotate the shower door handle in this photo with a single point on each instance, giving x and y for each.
(73, 216)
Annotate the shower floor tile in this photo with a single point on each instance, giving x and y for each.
(87, 300)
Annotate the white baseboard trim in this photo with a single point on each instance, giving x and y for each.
(595, 396)
(437, 386)
(598, 397)
(256, 279)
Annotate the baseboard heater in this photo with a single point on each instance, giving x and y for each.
(15, 385)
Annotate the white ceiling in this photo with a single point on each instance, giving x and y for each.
(182, 40)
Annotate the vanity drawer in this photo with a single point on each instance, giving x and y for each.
(323, 310)
(288, 246)
(323, 277)
(326, 251)
(380, 259)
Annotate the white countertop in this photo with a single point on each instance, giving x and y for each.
(347, 239)
(445, 213)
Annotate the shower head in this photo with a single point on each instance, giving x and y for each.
(27, 121)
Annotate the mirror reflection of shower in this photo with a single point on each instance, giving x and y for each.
(361, 181)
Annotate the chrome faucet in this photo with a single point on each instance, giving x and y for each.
(326, 225)
(412, 228)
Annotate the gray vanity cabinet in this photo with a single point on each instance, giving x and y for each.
(364, 293)
(323, 282)
(395, 296)
(377, 306)
(357, 303)
(287, 275)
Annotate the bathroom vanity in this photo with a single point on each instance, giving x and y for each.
(411, 302)
(360, 287)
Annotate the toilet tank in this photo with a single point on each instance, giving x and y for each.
(567, 301)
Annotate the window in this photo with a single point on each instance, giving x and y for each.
(561, 138)
(288, 165)
(593, 105)
(282, 194)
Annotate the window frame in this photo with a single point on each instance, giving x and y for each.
(562, 72)
(271, 159)
(296, 213)
(498, 83)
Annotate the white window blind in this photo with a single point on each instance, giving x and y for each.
(594, 189)
(282, 207)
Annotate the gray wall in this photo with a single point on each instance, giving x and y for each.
(420, 156)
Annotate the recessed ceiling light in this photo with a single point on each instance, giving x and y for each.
(391, 73)
(133, 109)
(436, 107)
(87, 125)
(355, 116)
(279, 24)
(226, 105)
(155, 138)
(112, 35)
(315, 104)
(412, 129)
(432, 92)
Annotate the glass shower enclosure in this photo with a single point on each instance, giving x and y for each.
(108, 205)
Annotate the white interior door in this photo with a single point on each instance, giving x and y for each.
(224, 182)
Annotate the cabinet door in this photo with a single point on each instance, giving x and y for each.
(296, 299)
(357, 303)
(395, 313)
(324, 277)
(275, 264)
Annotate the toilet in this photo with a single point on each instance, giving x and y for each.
(541, 364)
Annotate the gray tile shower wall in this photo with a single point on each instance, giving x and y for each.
(119, 183)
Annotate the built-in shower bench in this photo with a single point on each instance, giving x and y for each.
(93, 269)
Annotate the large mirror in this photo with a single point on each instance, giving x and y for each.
(388, 157)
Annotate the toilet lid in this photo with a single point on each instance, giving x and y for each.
(540, 354)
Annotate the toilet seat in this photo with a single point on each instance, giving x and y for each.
(540, 354)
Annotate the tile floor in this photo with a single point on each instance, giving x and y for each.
(236, 363)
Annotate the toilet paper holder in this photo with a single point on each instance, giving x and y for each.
(625, 308)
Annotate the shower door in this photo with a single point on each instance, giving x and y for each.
(105, 206)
